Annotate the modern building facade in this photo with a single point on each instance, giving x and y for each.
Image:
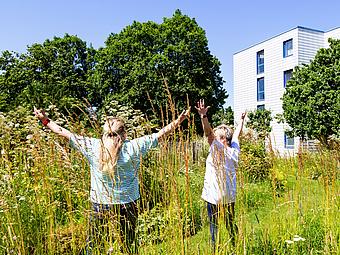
(260, 74)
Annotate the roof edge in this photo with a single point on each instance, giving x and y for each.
(332, 29)
(297, 27)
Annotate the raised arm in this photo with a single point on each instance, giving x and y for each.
(239, 127)
(40, 114)
(202, 111)
(173, 125)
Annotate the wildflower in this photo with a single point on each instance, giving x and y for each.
(6, 177)
(298, 238)
(17, 125)
(110, 250)
(21, 198)
(289, 241)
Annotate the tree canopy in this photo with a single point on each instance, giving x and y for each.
(223, 116)
(147, 66)
(311, 102)
(133, 65)
(54, 72)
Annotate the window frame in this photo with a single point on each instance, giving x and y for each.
(289, 145)
(285, 77)
(260, 91)
(287, 52)
(259, 66)
(260, 107)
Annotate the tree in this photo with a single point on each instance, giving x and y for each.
(223, 116)
(147, 62)
(55, 72)
(256, 162)
(311, 102)
(259, 121)
(9, 85)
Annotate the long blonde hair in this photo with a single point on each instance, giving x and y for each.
(112, 141)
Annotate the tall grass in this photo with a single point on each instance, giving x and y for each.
(44, 205)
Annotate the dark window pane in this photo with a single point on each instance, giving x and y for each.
(260, 89)
(287, 75)
(260, 61)
(288, 48)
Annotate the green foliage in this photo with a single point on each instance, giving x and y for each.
(39, 186)
(44, 185)
(153, 226)
(151, 67)
(223, 116)
(255, 162)
(278, 179)
(313, 228)
(54, 72)
(44, 196)
(311, 102)
(157, 224)
(259, 121)
(135, 63)
(157, 193)
(319, 166)
(255, 195)
(135, 121)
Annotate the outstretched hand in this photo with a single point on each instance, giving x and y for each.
(201, 108)
(184, 114)
(40, 114)
(243, 115)
(54, 127)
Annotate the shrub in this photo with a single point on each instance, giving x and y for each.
(255, 162)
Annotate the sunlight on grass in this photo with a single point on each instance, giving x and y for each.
(44, 203)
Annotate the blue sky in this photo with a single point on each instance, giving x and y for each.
(230, 25)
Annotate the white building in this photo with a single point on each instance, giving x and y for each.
(262, 70)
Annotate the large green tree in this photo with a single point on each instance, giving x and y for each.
(147, 62)
(311, 102)
(54, 72)
(223, 116)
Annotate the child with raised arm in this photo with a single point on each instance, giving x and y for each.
(219, 189)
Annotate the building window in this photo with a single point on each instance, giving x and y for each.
(289, 141)
(288, 48)
(260, 61)
(260, 89)
(286, 76)
(260, 107)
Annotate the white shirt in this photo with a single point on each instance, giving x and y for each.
(220, 174)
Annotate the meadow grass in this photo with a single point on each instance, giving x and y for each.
(44, 205)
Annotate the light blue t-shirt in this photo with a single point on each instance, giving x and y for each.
(124, 188)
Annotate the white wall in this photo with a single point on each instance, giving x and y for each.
(306, 42)
(334, 33)
(245, 79)
(309, 43)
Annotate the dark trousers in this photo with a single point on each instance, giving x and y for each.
(214, 212)
(112, 223)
